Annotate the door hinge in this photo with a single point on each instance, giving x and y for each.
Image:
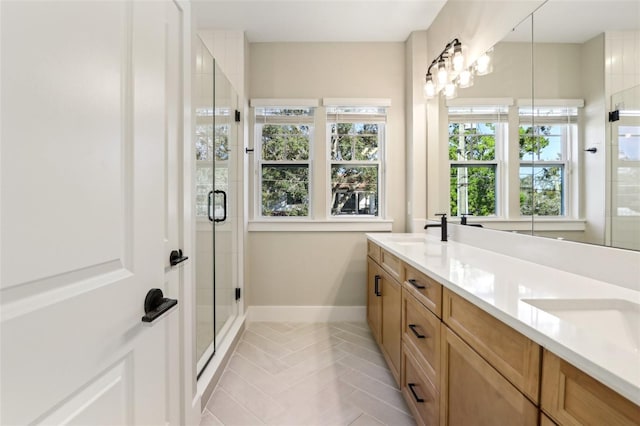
(614, 116)
(238, 293)
(237, 116)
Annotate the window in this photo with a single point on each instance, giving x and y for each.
(356, 138)
(476, 136)
(546, 135)
(284, 147)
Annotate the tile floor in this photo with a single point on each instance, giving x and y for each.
(290, 374)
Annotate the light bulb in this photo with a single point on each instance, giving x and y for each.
(429, 88)
(450, 90)
(483, 64)
(443, 74)
(465, 78)
(458, 57)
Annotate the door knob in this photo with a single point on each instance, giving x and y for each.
(176, 257)
(156, 305)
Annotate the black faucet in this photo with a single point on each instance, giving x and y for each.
(442, 226)
(463, 221)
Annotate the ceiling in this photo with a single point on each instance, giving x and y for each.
(568, 21)
(318, 20)
(576, 21)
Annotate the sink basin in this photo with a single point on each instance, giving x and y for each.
(609, 318)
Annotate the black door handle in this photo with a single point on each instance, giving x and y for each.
(415, 284)
(224, 206)
(156, 305)
(376, 288)
(176, 257)
(210, 205)
(415, 395)
(418, 335)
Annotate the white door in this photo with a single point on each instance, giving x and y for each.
(82, 234)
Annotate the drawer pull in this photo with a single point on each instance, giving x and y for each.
(376, 288)
(415, 395)
(418, 335)
(415, 284)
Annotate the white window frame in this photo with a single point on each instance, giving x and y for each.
(569, 137)
(382, 138)
(508, 177)
(259, 162)
(320, 219)
(501, 148)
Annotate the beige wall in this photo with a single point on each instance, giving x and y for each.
(416, 152)
(326, 268)
(315, 268)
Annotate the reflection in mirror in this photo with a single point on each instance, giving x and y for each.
(624, 191)
(586, 170)
(490, 140)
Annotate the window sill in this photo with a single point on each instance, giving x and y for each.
(524, 224)
(336, 225)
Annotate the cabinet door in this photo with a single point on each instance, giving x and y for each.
(472, 393)
(571, 397)
(374, 299)
(391, 322)
(514, 355)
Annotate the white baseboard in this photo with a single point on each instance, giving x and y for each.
(307, 313)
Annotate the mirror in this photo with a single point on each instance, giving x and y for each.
(590, 166)
(490, 139)
(530, 145)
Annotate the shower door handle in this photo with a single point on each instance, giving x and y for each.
(210, 205)
(224, 206)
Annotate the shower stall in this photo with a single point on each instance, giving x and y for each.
(623, 219)
(216, 188)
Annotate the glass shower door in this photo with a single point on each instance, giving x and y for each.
(216, 144)
(225, 211)
(624, 217)
(204, 150)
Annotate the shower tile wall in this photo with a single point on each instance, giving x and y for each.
(622, 60)
(622, 72)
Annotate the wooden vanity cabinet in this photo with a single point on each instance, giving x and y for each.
(512, 354)
(421, 334)
(458, 365)
(374, 301)
(419, 392)
(472, 392)
(425, 289)
(571, 397)
(384, 303)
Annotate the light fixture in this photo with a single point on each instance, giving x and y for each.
(450, 90)
(443, 73)
(465, 79)
(484, 64)
(458, 57)
(429, 87)
(450, 72)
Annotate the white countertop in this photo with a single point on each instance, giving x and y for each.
(600, 337)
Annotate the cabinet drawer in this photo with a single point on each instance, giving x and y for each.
(373, 251)
(515, 356)
(546, 421)
(391, 264)
(421, 396)
(572, 397)
(472, 392)
(421, 331)
(425, 289)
